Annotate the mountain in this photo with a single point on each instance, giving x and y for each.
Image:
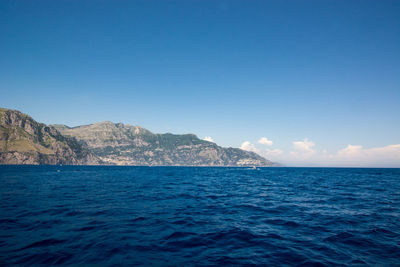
(120, 144)
(25, 141)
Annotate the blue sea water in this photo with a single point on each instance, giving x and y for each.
(199, 216)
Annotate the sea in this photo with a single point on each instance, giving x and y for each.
(199, 216)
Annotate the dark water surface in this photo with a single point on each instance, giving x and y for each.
(199, 216)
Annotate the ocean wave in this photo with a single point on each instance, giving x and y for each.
(199, 216)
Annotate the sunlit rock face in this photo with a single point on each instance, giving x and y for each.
(120, 144)
(25, 141)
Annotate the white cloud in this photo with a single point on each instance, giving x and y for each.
(303, 149)
(350, 150)
(304, 153)
(265, 141)
(246, 145)
(303, 146)
(209, 139)
(353, 155)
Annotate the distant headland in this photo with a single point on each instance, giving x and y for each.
(26, 141)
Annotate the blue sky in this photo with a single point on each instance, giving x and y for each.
(325, 72)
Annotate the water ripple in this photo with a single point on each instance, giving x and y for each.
(113, 216)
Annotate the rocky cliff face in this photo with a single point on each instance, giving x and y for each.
(116, 143)
(25, 141)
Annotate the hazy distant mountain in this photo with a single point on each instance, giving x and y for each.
(117, 143)
(25, 141)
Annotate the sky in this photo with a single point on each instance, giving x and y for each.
(305, 83)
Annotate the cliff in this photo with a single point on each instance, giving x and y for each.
(25, 141)
(120, 144)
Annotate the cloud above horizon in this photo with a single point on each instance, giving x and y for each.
(303, 149)
(209, 139)
(265, 141)
(359, 156)
(304, 153)
(350, 156)
(246, 145)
